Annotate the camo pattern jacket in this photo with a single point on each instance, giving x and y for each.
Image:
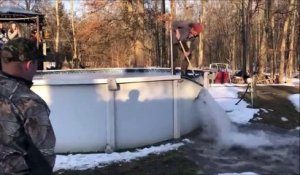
(34, 114)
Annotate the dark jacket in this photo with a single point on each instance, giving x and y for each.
(34, 114)
(184, 30)
(3, 37)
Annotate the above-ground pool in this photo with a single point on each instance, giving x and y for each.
(112, 109)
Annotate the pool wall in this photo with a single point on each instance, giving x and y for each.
(106, 114)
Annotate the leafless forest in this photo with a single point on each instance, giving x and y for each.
(135, 33)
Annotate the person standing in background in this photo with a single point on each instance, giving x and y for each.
(185, 33)
(3, 35)
(35, 37)
(14, 31)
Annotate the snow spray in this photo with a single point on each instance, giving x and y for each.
(217, 125)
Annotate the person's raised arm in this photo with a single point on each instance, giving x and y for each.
(177, 26)
(12, 35)
(181, 30)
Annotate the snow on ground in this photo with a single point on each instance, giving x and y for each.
(296, 81)
(284, 119)
(87, 161)
(245, 173)
(295, 99)
(225, 95)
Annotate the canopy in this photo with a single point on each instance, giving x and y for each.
(19, 15)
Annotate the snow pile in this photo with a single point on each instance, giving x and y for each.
(295, 99)
(217, 117)
(88, 161)
(245, 173)
(227, 97)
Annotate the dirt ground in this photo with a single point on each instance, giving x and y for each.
(273, 100)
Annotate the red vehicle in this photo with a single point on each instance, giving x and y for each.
(222, 72)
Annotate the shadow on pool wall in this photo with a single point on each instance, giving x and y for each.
(98, 114)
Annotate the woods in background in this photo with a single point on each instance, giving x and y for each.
(135, 33)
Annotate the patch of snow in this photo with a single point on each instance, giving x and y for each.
(245, 173)
(284, 119)
(88, 161)
(258, 118)
(264, 110)
(296, 81)
(227, 97)
(187, 141)
(295, 99)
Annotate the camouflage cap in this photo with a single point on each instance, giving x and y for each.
(21, 49)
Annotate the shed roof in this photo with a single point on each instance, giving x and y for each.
(11, 13)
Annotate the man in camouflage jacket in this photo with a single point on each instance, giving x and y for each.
(18, 102)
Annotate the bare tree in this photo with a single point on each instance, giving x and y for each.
(173, 17)
(173, 9)
(244, 37)
(292, 38)
(201, 43)
(139, 34)
(265, 44)
(283, 44)
(163, 35)
(129, 33)
(73, 31)
(57, 25)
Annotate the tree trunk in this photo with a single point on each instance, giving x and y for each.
(244, 38)
(163, 36)
(275, 46)
(283, 44)
(272, 54)
(129, 20)
(73, 30)
(57, 26)
(257, 45)
(173, 9)
(157, 40)
(173, 17)
(139, 35)
(233, 61)
(292, 54)
(265, 45)
(247, 32)
(201, 44)
(27, 4)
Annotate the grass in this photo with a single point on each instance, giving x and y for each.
(274, 99)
